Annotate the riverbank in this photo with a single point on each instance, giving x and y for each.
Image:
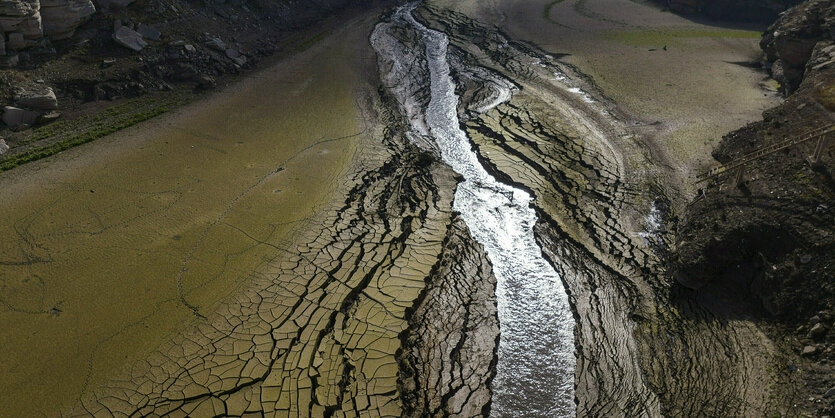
(607, 189)
(101, 87)
(278, 246)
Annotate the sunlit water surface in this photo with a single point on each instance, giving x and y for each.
(536, 364)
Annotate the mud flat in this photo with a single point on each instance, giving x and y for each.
(263, 250)
(603, 192)
(683, 83)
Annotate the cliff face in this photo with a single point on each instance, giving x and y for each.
(798, 34)
(741, 10)
(24, 22)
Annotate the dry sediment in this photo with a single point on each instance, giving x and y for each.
(330, 330)
(449, 349)
(644, 349)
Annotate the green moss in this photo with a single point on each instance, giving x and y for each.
(67, 134)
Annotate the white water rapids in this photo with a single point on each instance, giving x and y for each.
(535, 375)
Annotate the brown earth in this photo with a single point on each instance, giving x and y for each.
(765, 247)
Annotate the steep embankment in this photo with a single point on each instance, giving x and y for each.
(764, 249)
(128, 61)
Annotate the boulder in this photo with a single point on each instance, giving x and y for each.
(817, 331)
(16, 118)
(17, 41)
(809, 350)
(3, 146)
(216, 44)
(21, 16)
(129, 38)
(829, 393)
(36, 97)
(61, 17)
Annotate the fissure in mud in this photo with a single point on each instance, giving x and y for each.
(535, 371)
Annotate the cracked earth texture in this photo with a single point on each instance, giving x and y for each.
(643, 349)
(293, 259)
(261, 261)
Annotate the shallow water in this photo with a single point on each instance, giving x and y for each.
(536, 364)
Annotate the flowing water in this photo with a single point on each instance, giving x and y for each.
(536, 364)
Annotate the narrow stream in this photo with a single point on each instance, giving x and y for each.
(535, 375)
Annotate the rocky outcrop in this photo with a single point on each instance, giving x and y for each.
(798, 33)
(763, 249)
(129, 38)
(61, 17)
(26, 21)
(741, 10)
(36, 97)
(20, 21)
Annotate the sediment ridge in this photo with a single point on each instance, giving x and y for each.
(643, 347)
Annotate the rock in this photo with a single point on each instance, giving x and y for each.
(21, 16)
(815, 319)
(18, 119)
(9, 61)
(184, 71)
(232, 53)
(817, 331)
(36, 97)
(829, 393)
(113, 4)
(206, 82)
(797, 35)
(809, 350)
(148, 32)
(3, 146)
(129, 38)
(17, 41)
(216, 44)
(190, 48)
(62, 17)
(49, 117)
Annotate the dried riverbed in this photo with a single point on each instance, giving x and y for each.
(347, 232)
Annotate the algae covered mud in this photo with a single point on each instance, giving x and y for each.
(346, 233)
(535, 369)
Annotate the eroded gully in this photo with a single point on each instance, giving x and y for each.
(535, 370)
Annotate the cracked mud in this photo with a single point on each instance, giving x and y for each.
(263, 255)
